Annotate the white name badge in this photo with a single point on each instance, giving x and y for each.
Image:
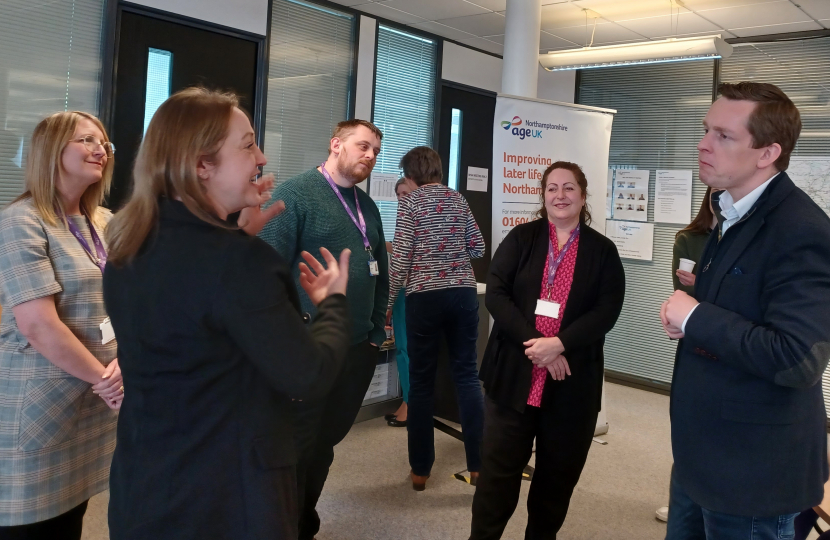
(107, 333)
(547, 309)
(373, 268)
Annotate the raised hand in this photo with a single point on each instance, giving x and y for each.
(320, 281)
(253, 218)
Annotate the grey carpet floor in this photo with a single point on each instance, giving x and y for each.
(368, 494)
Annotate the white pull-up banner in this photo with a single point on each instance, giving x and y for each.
(529, 135)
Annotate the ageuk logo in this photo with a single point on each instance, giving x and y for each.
(525, 133)
(507, 123)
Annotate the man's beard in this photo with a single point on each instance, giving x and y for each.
(352, 170)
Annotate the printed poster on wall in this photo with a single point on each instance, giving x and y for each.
(631, 195)
(529, 135)
(673, 197)
(633, 240)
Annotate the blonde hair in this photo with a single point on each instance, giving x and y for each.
(190, 126)
(44, 168)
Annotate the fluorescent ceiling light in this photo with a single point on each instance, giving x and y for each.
(645, 52)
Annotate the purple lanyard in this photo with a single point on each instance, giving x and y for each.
(101, 260)
(358, 221)
(553, 264)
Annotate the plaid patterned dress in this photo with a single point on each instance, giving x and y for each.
(56, 436)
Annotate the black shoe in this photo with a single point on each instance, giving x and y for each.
(396, 423)
(389, 417)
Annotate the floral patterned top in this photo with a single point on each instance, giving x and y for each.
(561, 290)
(436, 235)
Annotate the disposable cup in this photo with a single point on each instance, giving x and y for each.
(686, 265)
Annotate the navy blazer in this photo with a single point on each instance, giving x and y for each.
(747, 411)
(594, 304)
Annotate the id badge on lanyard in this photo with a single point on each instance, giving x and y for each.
(549, 308)
(359, 222)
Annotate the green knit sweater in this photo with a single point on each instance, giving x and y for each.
(314, 218)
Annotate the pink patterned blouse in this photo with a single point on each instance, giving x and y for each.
(547, 326)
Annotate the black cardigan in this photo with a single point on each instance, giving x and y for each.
(594, 303)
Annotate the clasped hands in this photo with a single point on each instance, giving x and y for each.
(111, 386)
(547, 353)
(674, 311)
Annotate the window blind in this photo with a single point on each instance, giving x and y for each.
(404, 105)
(802, 70)
(660, 108)
(50, 61)
(309, 84)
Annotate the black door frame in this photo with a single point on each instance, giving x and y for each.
(110, 57)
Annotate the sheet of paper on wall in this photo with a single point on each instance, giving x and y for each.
(633, 240)
(477, 179)
(609, 195)
(380, 383)
(673, 197)
(631, 194)
(382, 186)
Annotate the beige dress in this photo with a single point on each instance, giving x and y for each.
(56, 436)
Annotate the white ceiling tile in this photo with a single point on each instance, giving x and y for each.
(487, 24)
(495, 5)
(817, 9)
(617, 9)
(442, 30)
(775, 29)
(481, 43)
(780, 12)
(666, 26)
(433, 10)
(381, 10)
(605, 32)
(352, 3)
(712, 4)
(562, 15)
(548, 42)
(497, 38)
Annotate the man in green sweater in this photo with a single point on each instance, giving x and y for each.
(324, 208)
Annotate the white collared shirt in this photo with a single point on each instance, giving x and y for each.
(733, 211)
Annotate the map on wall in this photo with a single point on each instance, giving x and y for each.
(812, 174)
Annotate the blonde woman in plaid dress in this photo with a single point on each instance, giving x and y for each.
(60, 384)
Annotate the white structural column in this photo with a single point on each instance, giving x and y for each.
(520, 68)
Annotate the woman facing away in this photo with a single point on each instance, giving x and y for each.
(212, 342)
(435, 237)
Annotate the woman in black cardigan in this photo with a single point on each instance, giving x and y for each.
(543, 381)
(211, 341)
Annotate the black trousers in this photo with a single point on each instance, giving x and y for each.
(320, 425)
(67, 526)
(563, 438)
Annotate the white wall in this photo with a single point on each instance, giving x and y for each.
(365, 68)
(474, 68)
(247, 15)
(466, 66)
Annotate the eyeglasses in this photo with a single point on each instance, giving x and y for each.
(92, 144)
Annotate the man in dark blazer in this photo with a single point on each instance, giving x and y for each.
(748, 418)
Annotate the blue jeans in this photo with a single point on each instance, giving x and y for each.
(401, 354)
(690, 521)
(431, 316)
